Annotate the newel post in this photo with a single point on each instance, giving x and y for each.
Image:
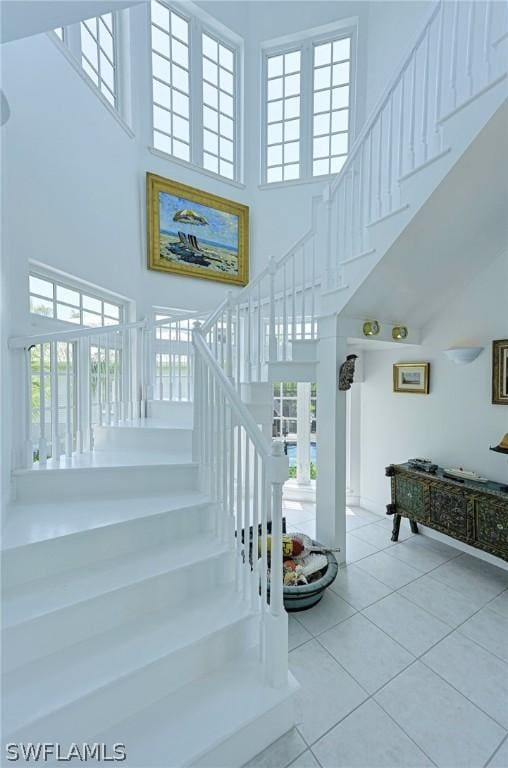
(276, 620)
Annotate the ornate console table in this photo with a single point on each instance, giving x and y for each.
(475, 513)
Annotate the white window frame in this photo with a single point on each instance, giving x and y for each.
(83, 289)
(201, 22)
(305, 44)
(70, 46)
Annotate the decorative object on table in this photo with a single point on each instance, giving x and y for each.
(194, 233)
(502, 447)
(461, 474)
(462, 355)
(423, 465)
(371, 328)
(411, 377)
(347, 372)
(472, 512)
(500, 372)
(399, 332)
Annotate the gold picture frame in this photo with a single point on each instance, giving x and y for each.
(500, 372)
(195, 233)
(413, 378)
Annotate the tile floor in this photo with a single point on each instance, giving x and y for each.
(404, 662)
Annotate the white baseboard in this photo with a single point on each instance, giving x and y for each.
(371, 505)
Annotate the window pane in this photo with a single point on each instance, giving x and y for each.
(291, 130)
(210, 119)
(160, 15)
(340, 97)
(226, 169)
(180, 53)
(210, 95)
(66, 295)
(210, 162)
(275, 65)
(292, 62)
(336, 164)
(181, 150)
(92, 304)
(226, 81)
(275, 89)
(162, 119)
(162, 142)
(90, 318)
(341, 73)
(321, 147)
(211, 142)
(274, 155)
(210, 48)
(340, 120)
(210, 71)
(275, 111)
(42, 287)
(226, 126)
(113, 310)
(292, 85)
(162, 94)
(179, 27)
(226, 104)
(292, 108)
(274, 174)
(161, 68)
(274, 135)
(160, 41)
(339, 144)
(292, 152)
(180, 128)
(342, 49)
(226, 149)
(322, 54)
(180, 78)
(320, 167)
(321, 124)
(322, 101)
(68, 314)
(226, 57)
(41, 306)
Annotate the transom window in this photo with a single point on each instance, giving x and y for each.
(64, 302)
(93, 44)
(204, 85)
(307, 107)
(98, 54)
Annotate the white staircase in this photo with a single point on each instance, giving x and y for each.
(133, 614)
(121, 617)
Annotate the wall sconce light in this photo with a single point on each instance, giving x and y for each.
(399, 332)
(462, 355)
(370, 328)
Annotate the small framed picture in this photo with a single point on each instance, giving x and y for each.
(411, 377)
(500, 372)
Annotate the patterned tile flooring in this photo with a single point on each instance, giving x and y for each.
(404, 662)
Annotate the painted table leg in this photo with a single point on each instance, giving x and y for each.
(413, 526)
(396, 527)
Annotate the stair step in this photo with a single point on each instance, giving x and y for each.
(64, 609)
(154, 435)
(213, 721)
(175, 413)
(116, 673)
(45, 539)
(107, 475)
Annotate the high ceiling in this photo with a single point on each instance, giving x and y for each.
(30, 17)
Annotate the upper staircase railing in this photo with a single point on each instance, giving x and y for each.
(453, 60)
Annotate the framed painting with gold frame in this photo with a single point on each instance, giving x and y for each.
(411, 377)
(195, 233)
(500, 372)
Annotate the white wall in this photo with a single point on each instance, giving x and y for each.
(456, 423)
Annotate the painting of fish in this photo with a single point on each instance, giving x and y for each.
(195, 233)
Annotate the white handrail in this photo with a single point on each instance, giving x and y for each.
(22, 342)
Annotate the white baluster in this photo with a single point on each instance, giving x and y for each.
(107, 397)
(401, 125)
(260, 333)
(380, 167)
(248, 331)
(304, 288)
(239, 509)
(470, 46)
(412, 110)
(237, 345)
(313, 294)
(55, 432)
(389, 201)
(272, 338)
(255, 533)
(361, 201)
(438, 80)
(453, 54)
(486, 39)
(27, 457)
(43, 448)
(425, 96)
(68, 404)
(190, 366)
(352, 212)
(91, 381)
(246, 520)
(116, 412)
(229, 337)
(293, 298)
(284, 313)
(369, 187)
